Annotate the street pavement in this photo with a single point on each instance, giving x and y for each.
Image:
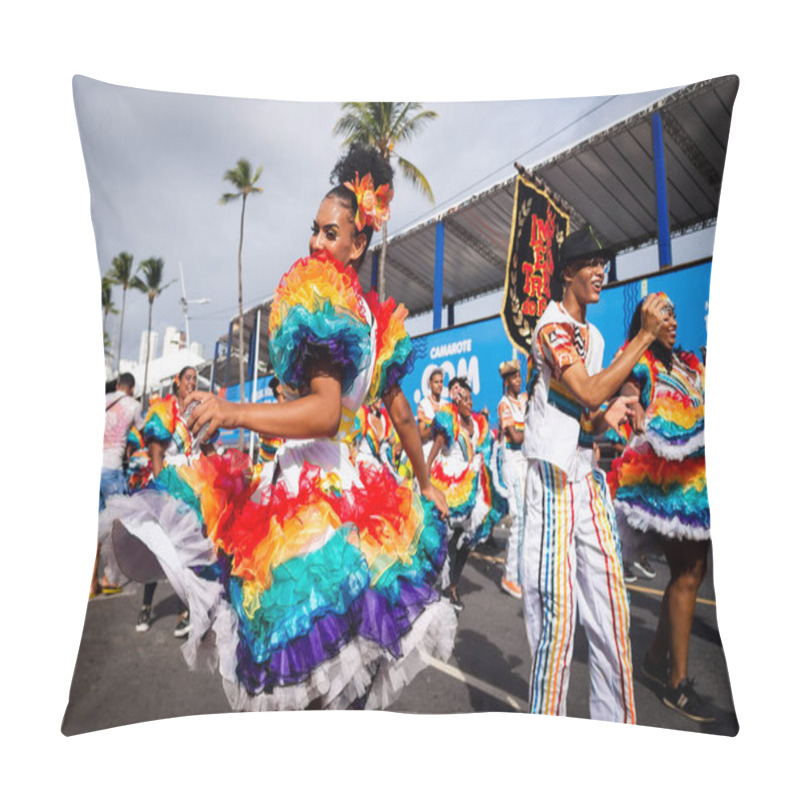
(123, 677)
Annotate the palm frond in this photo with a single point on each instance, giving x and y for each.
(415, 177)
(121, 269)
(411, 127)
(227, 197)
(138, 284)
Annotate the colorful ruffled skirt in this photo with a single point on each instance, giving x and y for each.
(315, 581)
(659, 482)
(465, 486)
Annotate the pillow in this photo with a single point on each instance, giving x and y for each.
(285, 620)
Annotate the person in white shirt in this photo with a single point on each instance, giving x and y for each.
(427, 409)
(122, 413)
(511, 414)
(570, 556)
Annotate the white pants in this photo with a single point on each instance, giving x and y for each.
(514, 468)
(571, 559)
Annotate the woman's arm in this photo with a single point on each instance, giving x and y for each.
(314, 416)
(406, 426)
(438, 443)
(156, 450)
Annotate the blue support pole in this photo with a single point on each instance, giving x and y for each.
(438, 277)
(374, 279)
(664, 244)
(228, 357)
(251, 354)
(451, 314)
(214, 364)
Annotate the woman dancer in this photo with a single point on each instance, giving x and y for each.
(456, 464)
(374, 437)
(659, 487)
(322, 592)
(168, 444)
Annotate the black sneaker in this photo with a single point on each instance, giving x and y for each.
(183, 627)
(642, 566)
(685, 700)
(627, 574)
(656, 673)
(144, 621)
(455, 599)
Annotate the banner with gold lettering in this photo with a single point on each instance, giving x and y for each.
(537, 227)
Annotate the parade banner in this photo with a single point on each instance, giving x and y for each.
(538, 226)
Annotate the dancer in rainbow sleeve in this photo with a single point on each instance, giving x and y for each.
(158, 497)
(659, 489)
(457, 467)
(268, 445)
(570, 558)
(319, 590)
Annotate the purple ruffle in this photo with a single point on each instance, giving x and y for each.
(371, 616)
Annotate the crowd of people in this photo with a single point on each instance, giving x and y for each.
(325, 572)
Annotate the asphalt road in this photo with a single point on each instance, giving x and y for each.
(123, 677)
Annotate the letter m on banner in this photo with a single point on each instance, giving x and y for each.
(538, 226)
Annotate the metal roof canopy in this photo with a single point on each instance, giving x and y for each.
(606, 181)
(230, 366)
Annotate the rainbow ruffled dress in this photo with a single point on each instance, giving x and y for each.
(461, 471)
(132, 527)
(320, 588)
(659, 481)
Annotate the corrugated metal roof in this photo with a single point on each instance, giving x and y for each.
(607, 181)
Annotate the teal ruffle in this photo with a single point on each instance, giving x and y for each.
(304, 589)
(326, 333)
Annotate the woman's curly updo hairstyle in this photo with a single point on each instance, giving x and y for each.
(362, 160)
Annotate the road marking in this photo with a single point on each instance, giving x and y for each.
(659, 593)
(477, 683)
(484, 557)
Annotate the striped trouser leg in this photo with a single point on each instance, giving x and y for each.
(547, 572)
(603, 602)
(514, 476)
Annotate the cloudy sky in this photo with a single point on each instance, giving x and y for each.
(156, 160)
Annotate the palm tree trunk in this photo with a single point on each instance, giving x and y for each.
(382, 265)
(147, 356)
(121, 323)
(241, 322)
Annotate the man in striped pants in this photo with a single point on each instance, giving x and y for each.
(570, 559)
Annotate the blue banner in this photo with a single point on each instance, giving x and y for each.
(477, 349)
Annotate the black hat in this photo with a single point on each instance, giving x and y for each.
(581, 245)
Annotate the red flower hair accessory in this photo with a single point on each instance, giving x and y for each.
(373, 204)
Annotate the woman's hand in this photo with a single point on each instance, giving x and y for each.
(620, 410)
(436, 496)
(215, 411)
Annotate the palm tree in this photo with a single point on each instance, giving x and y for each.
(244, 183)
(382, 126)
(120, 274)
(106, 282)
(153, 271)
